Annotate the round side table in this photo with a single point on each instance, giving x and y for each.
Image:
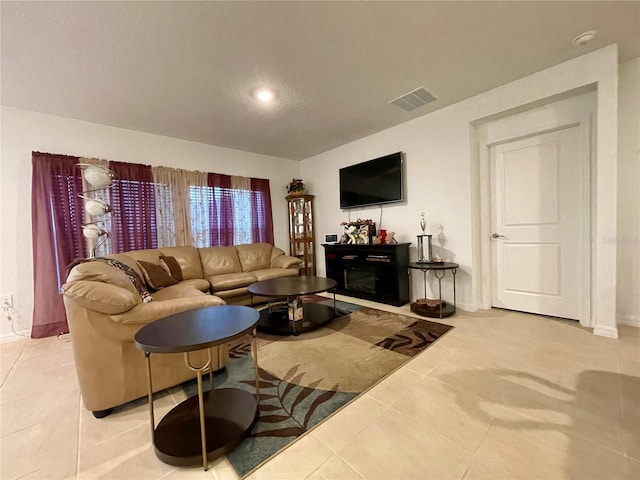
(212, 423)
(439, 270)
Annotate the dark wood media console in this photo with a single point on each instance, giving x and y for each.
(372, 272)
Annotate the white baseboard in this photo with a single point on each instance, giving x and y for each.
(12, 337)
(631, 320)
(467, 307)
(605, 331)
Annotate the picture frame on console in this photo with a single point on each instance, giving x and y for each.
(359, 232)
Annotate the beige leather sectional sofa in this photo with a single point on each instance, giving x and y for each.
(105, 310)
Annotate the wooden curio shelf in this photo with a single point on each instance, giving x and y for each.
(302, 232)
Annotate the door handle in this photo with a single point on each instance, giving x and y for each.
(497, 235)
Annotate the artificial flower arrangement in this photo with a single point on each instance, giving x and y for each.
(296, 185)
(358, 223)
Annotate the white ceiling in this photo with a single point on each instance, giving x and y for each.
(186, 69)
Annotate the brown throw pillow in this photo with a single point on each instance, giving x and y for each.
(155, 276)
(173, 266)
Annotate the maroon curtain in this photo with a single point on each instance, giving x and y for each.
(56, 222)
(134, 208)
(262, 220)
(221, 229)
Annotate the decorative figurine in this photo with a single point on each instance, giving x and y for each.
(351, 232)
(423, 223)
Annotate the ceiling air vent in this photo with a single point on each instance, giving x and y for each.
(414, 99)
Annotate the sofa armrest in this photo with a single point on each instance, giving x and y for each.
(285, 261)
(148, 312)
(101, 297)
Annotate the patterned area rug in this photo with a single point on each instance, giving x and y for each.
(305, 379)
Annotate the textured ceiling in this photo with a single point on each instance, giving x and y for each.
(186, 69)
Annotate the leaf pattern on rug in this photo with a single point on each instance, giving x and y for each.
(287, 408)
(239, 349)
(415, 338)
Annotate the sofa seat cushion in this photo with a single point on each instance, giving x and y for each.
(181, 290)
(269, 273)
(233, 293)
(199, 283)
(230, 281)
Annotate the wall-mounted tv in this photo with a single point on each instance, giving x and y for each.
(373, 182)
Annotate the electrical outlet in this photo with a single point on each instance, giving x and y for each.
(6, 301)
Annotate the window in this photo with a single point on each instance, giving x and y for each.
(223, 216)
(145, 214)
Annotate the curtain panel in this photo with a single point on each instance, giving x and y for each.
(134, 225)
(167, 185)
(196, 208)
(221, 218)
(241, 194)
(56, 221)
(262, 217)
(180, 208)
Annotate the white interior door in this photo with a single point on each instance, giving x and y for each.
(538, 213)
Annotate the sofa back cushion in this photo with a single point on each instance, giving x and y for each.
(130, 262)
(102, 272)
(188, 258)
(150, 255)
(254, 256)
(100, 296)
(219, 260)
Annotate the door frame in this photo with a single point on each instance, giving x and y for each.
(575, 112)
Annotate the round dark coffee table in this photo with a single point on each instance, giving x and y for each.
(212, 423)
(284, 304)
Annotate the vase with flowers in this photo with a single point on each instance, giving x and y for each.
(296, 187)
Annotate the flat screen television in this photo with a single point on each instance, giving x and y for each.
(373, 182)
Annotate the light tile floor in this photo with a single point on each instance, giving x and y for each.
(503, 395)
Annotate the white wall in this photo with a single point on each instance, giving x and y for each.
(24, 131)
(628, 238)
(439, 161)
(439, 154)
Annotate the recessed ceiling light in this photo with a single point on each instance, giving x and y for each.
(585, 37)
(265, 95)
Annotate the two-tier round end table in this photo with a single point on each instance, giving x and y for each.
(212, 423)
(442, 308)
(275, 319)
